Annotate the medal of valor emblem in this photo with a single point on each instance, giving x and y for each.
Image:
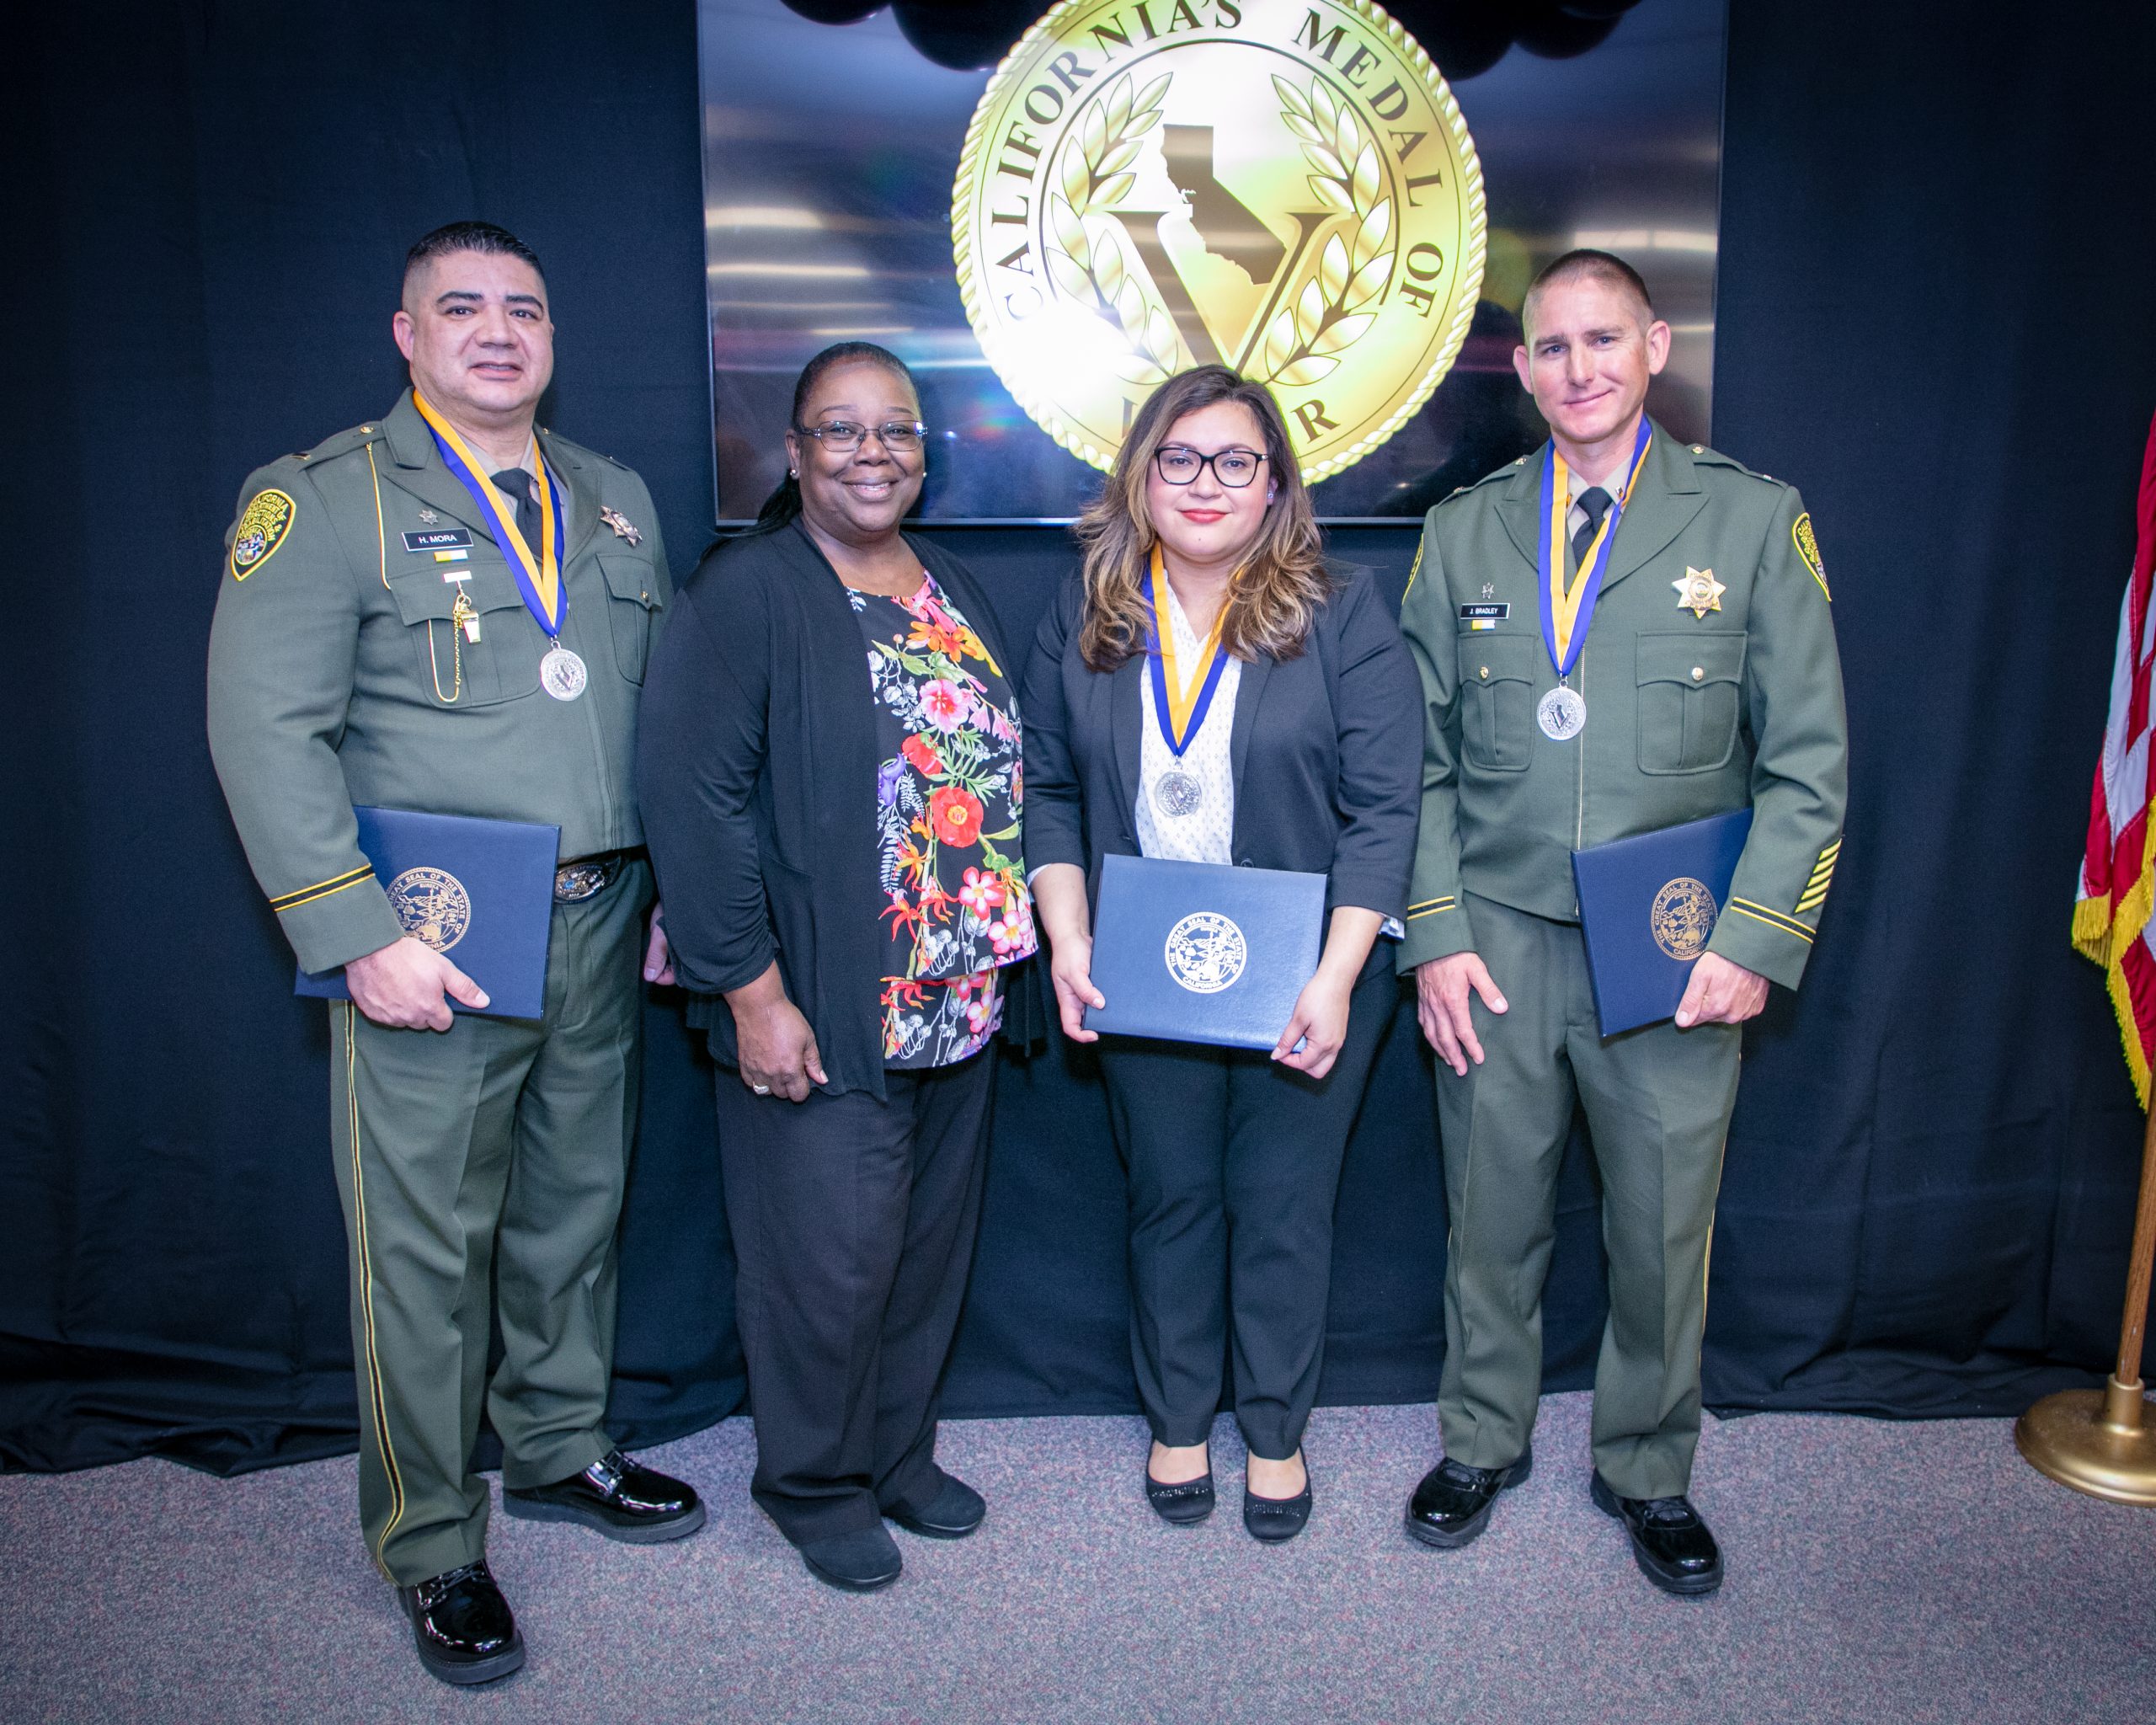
(1562, 713)
(432, 905)
(262, 526)
(1206, 952)
(1682, 916)
(1698, 591)
(1282, 188)
(562, 674)
(1177, 793)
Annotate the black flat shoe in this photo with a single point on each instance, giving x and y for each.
(1185, 1502)
(855, 1562)
(1274, 1520)
(621, 1498)
(1453, 1504)
(463, 1626)
(1670, 1540)
(955, 1512)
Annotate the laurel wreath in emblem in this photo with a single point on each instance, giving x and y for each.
(1206, 952)
(1087, 258)
(1306, 340)
(1682, 916)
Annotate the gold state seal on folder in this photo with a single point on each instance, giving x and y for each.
(1283, 187)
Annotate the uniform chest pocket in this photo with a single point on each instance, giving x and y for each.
(453, 670)
(1690, 685)
(632, 595)
(1497, 700)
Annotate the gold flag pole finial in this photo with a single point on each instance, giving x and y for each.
(2103, 1441)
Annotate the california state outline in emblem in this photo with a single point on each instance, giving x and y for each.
(1283, 187)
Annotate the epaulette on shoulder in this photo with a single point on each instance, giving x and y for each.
(1504, 472)
(1704, 456)
(342, 443)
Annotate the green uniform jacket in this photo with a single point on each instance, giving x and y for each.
(1688, 716)
(336, 677)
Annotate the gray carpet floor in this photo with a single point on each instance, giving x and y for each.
(1910, 1572)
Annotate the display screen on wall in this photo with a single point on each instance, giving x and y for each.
(1044, 210)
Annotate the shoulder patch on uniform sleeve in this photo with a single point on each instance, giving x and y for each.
(262, 527)
(1807, 547)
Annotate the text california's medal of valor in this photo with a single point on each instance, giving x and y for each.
(1286, 189)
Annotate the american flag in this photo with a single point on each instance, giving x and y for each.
(2112, 911)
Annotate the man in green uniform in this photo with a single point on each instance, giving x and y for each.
(397, 626)
(1701, 676)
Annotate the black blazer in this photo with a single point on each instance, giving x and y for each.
(756, 770)
(1326, 750)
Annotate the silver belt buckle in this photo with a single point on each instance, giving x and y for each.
(577, 881)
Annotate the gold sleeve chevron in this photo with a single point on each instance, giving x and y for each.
(1773, 918)
(1822, 876)
(1431, 907)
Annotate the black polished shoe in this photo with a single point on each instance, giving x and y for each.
(623, 1499)
(465, 1629)
(1670, 1540)
(955, 1511)
(1274, 1520)
(856, 1562)
(1185, 1502)
(1453, 1504)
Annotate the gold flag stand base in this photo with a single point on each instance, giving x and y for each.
(2102, 1442)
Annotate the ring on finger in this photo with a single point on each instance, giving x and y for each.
(761, 1089)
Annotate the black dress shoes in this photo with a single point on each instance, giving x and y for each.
(854, 1562)
(465, 1629)
(1453, 1504)
(1185, 1503)
(1670, 1542)
(623, 1499)
(1274, 1520)
(955, 1511)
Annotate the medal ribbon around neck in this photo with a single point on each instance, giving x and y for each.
(1181, 712)
(1566, 615)
(538, 578)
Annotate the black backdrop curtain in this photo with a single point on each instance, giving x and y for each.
(1935, 252)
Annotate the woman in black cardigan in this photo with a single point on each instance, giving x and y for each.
(1305, 755)
(831, 781)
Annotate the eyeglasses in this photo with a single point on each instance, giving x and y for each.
(842, 437)
(1233, 467)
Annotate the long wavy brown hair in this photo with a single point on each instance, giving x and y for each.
(1276, 593)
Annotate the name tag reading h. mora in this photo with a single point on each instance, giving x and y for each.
(1193, 952)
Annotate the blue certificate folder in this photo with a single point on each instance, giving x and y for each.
(1647, 904)
(1196, 952)
(479, 892)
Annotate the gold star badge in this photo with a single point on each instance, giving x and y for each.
(1698, 591)
(621, 525)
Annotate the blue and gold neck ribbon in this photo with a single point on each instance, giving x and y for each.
(1567, 611)
(538, 578)
(1180, 710)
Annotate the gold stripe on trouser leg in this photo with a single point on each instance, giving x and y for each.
(363, 1271)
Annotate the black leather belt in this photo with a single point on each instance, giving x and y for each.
(587, 877)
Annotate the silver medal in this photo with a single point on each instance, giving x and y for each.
(562, 674)
(1562, 713)
(1177, 793)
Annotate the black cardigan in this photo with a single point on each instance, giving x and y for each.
(756, 772)
(1326, 750)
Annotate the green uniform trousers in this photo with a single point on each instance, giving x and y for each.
(488, 1160)
(1657, 1102)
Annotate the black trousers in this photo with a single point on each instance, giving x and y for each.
(853, 1223)
(1234, 1166)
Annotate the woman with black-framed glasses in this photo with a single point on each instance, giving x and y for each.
(1208, 688)
(831, 786)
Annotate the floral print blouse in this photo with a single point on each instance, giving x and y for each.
(948, 797)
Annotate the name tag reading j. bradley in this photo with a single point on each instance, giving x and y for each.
(1193, 952)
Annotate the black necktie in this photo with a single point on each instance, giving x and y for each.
(514, 482)
(1594, 504)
